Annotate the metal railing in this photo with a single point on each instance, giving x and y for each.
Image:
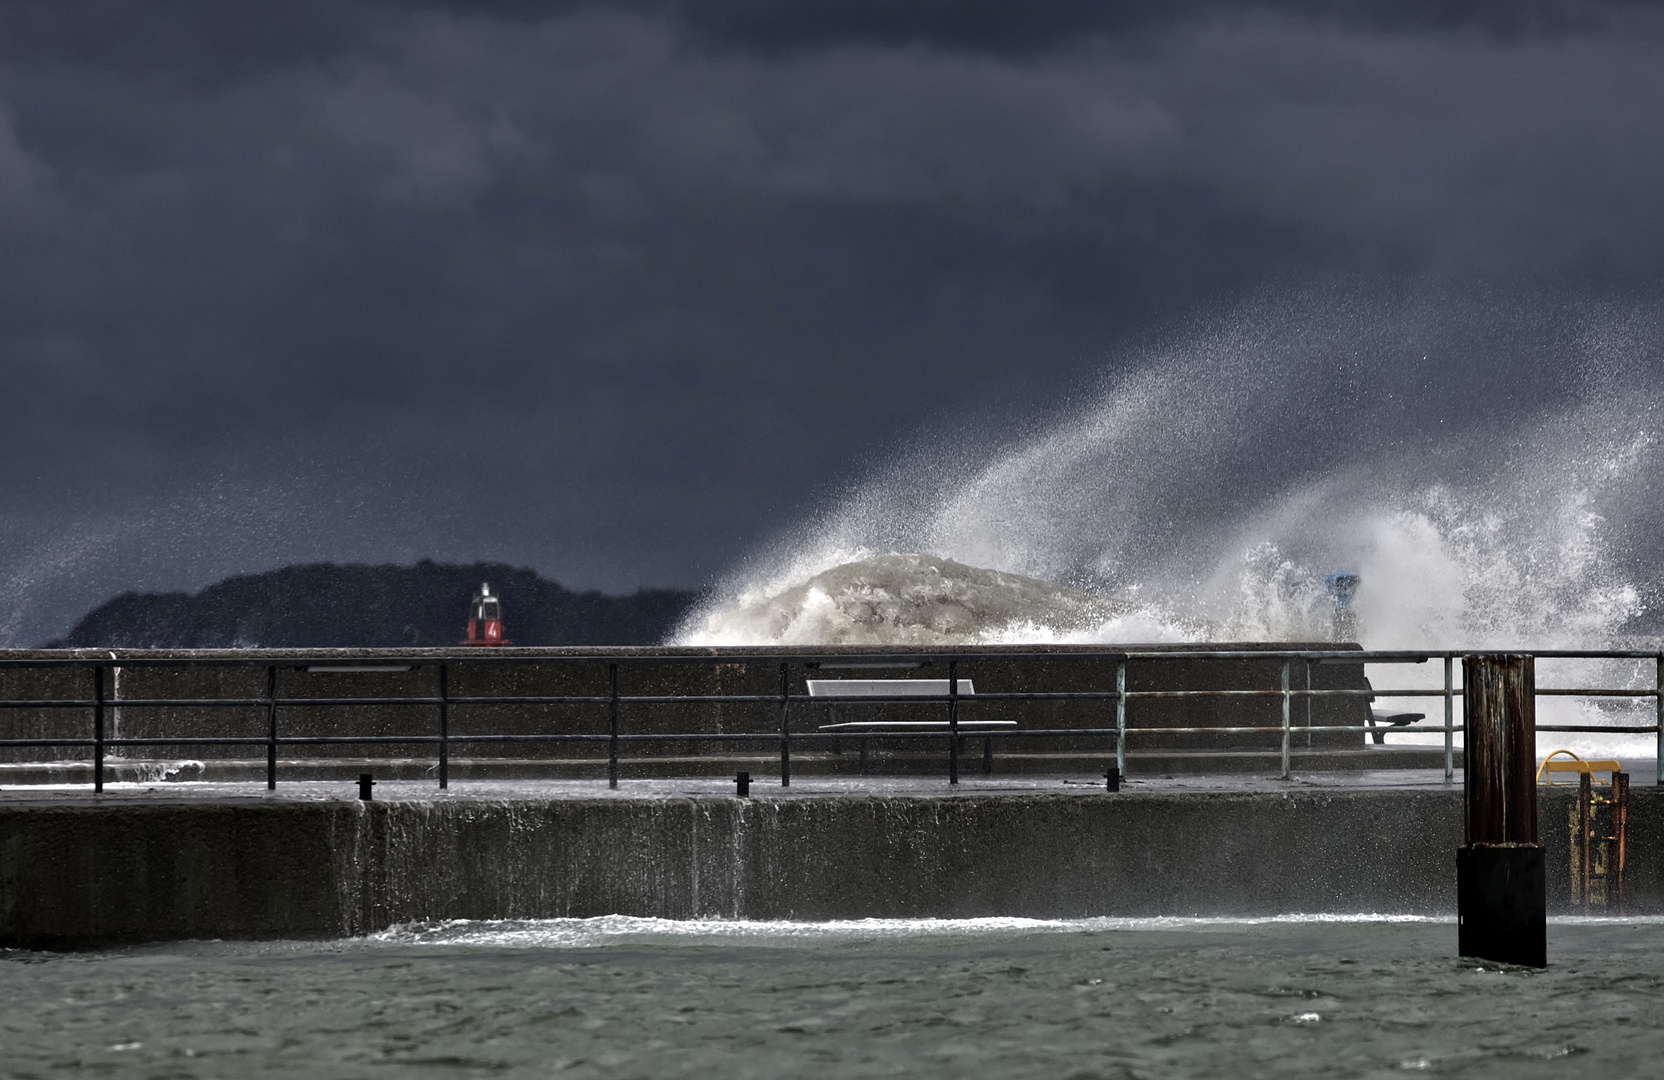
(442, 739)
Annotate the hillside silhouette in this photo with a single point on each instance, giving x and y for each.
(325, 605)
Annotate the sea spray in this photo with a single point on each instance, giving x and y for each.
(904, 599)
(1486, 465)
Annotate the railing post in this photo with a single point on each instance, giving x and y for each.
(271, 727)
(444, 727)
(1121, 717)
(953, 721)
(612, 742)
(785, 731)
(1308, 703)
(1287, 703)
(98, 729)
(1449, 719)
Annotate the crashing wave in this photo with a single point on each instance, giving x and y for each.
(906, 599)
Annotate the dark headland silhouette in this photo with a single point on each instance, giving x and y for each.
(325, 605)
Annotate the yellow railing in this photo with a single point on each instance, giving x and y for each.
(1576, 765)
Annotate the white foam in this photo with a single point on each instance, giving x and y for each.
(1204, 495)
(905, 599)
(625, 929)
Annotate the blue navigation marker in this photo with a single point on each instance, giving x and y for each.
(1343, 586)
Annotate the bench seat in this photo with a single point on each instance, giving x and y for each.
(835, 691)
(872, 726)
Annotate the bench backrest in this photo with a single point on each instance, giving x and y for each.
(919, 688)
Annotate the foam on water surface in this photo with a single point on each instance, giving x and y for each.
(614, 929)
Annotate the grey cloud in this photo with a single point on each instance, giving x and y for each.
(23, 177)
(615, 290)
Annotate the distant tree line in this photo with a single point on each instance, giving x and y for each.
(325, 605)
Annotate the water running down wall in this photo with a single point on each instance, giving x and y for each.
(80, 873)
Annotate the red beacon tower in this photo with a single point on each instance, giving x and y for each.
(485, 619)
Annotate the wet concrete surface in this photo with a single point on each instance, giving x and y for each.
(766, 786)
(762, 788)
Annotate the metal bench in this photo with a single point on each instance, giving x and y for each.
(1380, 721)
(920, 689)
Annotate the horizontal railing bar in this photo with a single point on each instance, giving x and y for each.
(418, 661)
(320, 740)
(1424, 729)
(192, 740)
(1579, 654)
(773, 699)
(52, 703)
(48, 742)
(1004, 733)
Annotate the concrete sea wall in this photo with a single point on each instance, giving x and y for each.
(79, 873)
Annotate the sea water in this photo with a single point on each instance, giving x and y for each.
(617, 997)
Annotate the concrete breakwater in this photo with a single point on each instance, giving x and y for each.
(79, 871)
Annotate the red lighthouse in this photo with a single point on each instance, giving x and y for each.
(485, 619)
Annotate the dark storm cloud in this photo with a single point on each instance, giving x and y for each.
(614, 290)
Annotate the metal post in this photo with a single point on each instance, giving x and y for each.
(612, 742)
(785, 731)
(444, 727)
(1658, 697)
(1308, 703)
(1585, 836)
(1121, 717)
(1287, 703)
(271, 728)
(98, 729)
(953, 721)
(1449, 719)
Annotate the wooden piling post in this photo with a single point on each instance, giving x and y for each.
(1500, 884)
(1620, 826)
(1585, 834)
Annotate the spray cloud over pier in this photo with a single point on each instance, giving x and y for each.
(1205, 493)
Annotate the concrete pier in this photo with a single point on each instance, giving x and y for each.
(180, 861)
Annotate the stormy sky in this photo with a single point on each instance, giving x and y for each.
(619, 291)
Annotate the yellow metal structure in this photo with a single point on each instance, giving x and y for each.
(1596, 824)
(1576, 765)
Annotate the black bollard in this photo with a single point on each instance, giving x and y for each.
(1501, 896)
(1114, 778)
(742, 785)
(365, 783)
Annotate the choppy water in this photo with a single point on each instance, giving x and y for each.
(986, 998)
